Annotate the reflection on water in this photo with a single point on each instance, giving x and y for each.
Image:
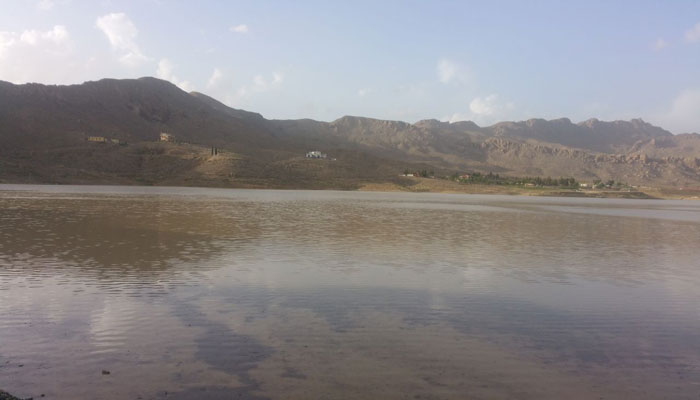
(205, 293)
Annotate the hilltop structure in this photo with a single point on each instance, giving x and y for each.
(316, 154)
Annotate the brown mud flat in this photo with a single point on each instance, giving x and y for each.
(603, 195)
(428, 185)
(676, 193)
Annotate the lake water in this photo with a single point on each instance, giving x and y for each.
(215, 294)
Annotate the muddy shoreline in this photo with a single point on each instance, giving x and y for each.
(426, 185)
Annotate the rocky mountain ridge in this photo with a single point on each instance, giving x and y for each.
(43, 119)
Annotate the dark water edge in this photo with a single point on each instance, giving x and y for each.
(7, 396)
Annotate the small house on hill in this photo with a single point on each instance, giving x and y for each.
(97, 139)
(166, 137)
(316, 154)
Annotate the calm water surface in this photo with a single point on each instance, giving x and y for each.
(219, 294)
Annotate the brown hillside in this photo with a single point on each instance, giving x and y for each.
(43, 131)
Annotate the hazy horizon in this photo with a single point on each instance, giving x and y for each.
(395, 60)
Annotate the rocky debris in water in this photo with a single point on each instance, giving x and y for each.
(7, 396)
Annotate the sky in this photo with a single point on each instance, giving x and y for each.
(485, 61)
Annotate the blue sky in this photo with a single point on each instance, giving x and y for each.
(407, 60)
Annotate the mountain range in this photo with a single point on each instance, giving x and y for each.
(44, 131)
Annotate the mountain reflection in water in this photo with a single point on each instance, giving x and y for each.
(210, 293)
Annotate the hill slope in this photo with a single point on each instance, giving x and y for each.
(43, 131)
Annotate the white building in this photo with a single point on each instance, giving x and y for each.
(316, 154)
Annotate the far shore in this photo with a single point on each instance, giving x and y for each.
(428, 185)
(431, 185)
(174, 164)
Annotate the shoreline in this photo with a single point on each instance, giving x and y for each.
(164, 164)
(429, 185)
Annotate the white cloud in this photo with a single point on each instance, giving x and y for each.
(659, 44)
(259, 81)
(692, 35)
(165, 71)
(48, 5)
(682, 116)
(242, 28)
(222, 86)
(446, 70)
(45, 5)
(485, 110)
(215, 78)
(57, 35)
(122, 33)
(364, 92)
(24, 56)
(449, 71)
(7, 40)
(259, 84)
(484, 105)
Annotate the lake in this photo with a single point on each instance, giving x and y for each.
(187, 293)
